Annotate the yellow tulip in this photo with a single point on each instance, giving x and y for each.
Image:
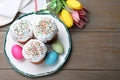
(74, 4)
(66, 17)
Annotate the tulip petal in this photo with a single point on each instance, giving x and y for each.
(81, 12)
(80, 17)
(80, 24)
(84, 18)
(75, 15)
(85, 10)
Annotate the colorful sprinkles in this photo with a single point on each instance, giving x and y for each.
(21, 30)
(45, 29)
(34, 50)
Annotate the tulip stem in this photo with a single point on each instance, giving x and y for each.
(65, 6)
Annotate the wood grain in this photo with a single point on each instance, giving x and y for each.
(104, 15)
(95, 49)
(65, 75)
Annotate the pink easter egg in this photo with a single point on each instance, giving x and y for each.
(17, 52)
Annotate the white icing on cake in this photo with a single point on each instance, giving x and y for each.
(45, 29)
(21, 30)
(34, 50)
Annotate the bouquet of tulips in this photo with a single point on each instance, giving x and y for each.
(69, 11)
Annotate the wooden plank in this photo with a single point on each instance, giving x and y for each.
(90, 50)
(64, 75)
(4, 28)
(2, 38)
(104, 15)
(95, 50)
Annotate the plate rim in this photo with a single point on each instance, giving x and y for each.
(46, 73)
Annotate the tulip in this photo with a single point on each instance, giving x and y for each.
(79, 17)
(74, 4)
(66, 17)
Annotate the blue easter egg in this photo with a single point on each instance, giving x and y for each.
(51, 58)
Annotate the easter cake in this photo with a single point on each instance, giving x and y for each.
(21, 31)
(34, 51)
(45, 30)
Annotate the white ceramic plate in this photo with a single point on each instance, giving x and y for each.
(32, 70)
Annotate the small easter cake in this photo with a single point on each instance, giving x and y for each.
(21, 30)
(45, 30)
(34, 51)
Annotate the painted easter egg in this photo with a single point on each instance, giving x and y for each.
(17, 52)
(51, 58)
(58, 47)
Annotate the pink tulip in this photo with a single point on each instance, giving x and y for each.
(75, 16)
(79, 17)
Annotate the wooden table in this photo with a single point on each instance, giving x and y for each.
(95, 50)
